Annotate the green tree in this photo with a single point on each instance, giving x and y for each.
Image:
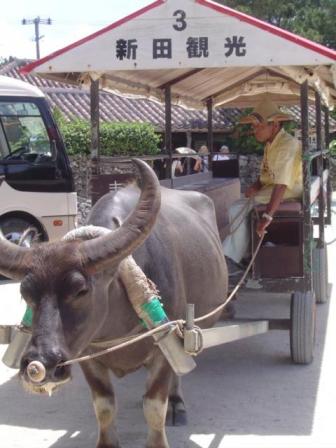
(59, 117)
(116, 139)
(313, 19)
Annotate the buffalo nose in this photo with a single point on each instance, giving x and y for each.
(36, 372)
(40, 367)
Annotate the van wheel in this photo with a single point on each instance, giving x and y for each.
(20, 231)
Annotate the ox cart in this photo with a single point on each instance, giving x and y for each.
(233, 63)
(292, 258)
(289, 70)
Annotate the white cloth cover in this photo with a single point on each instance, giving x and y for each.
(236, 244)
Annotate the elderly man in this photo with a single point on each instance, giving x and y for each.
(280, 177)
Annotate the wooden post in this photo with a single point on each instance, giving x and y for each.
(168, 134)
(307, 225)
(94, 109)
(319, 142)
(210, 130)
(327, 142)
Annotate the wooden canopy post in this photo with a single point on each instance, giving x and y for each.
(210, 130)
(95, 144)
(307, 226)
(327, 142)
(320, 147)
(168, 133)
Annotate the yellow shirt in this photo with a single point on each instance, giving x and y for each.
(282, 164)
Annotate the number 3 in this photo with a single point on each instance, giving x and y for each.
(181, 23)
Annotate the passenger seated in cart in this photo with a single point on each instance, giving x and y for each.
(203, 153)
(223, 154)
(280, 177)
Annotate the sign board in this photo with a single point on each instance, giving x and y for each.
(175, 34)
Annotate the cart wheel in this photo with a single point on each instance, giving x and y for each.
(302, 331)
(320, 274)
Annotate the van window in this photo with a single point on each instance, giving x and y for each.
(23, 135)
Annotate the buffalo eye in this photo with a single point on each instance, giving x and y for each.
(82, 292)
(77, 285)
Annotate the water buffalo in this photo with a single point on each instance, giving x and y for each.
(76, 295)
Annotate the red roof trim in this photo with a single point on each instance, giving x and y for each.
(29, 67)
(325, 51)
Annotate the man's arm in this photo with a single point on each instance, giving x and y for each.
(273, 205)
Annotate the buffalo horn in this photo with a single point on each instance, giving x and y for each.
(86, 233)
(11, 259)
(114, 247)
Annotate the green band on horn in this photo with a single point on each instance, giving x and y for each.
(27, 319)
(155, 312)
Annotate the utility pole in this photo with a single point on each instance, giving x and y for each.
(37, 21)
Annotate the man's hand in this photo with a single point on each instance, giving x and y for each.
(276, 198)
(262, 226)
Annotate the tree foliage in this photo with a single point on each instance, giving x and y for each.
(313, 19)
(116, 139)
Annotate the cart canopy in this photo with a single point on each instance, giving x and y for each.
(201, 50)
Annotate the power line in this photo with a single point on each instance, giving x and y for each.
(37, 22)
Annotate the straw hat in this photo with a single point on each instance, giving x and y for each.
(266, 110)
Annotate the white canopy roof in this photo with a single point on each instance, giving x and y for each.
(201, 50)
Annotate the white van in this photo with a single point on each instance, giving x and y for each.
(36, 183)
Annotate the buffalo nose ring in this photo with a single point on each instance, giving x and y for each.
(36, 371)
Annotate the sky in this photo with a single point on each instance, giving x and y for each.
(71, 20)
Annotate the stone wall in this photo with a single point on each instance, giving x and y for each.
(249, 168)
(333, 173)
(80, 168)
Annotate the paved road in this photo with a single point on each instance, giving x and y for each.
(244, 394)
